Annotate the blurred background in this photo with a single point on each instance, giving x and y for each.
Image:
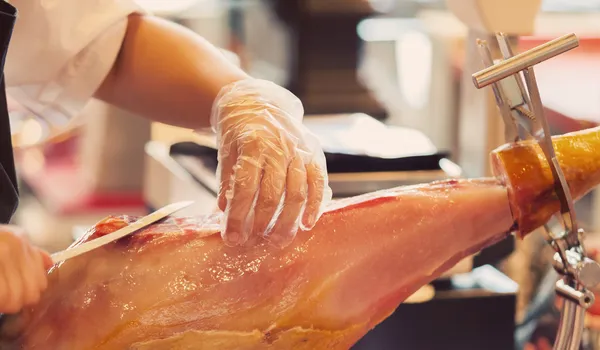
(386, 84)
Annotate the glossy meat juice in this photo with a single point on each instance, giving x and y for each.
(175, 285)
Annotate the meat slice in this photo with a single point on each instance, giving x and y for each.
(175, 285)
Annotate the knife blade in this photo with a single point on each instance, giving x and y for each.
(133, 227)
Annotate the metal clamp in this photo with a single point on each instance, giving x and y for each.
(518, 99)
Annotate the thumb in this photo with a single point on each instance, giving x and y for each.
(46, 259)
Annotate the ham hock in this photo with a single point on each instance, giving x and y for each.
(175, 285)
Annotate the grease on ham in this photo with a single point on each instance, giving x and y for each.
(177, 282)
(175, 285)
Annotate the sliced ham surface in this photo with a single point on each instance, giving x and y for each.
(175, 285)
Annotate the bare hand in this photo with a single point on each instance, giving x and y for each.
(23, 271)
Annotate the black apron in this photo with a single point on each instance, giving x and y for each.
(9, 192)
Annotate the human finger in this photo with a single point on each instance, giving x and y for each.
(4, 289)
(244, 187)
(286, 227)
(270, 193)
(42, 263)
(316, 181)
(47, 262)
(227, 157)
(30, 275)
(13, 285)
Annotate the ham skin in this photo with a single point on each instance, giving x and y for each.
(175, 285)
(528, 178)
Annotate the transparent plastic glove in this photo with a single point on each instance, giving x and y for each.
(272, 170)
(23, 270)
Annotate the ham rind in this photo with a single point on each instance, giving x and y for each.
(525, 171)
(175, 285)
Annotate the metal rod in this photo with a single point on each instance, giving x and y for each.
(569, 292)
(567, 322)
(563, 192)
(524, 60)
(507, 53)
(578, 328)
(510, 127)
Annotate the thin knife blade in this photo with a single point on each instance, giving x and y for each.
(139, 224)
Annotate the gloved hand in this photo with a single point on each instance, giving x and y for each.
(272, 170)
(22, 271)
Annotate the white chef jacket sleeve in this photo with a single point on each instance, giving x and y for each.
(61, 51)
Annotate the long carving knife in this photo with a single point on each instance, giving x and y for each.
(111, 237)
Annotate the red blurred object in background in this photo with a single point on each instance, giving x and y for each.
(595, 308)
(593, 251)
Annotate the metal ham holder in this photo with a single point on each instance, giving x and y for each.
(517, 96)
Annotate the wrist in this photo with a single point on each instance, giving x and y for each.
(256, 92)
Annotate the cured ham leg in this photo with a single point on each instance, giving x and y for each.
(177, 286)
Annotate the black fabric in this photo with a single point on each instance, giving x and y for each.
(336, 162)
(9, 192)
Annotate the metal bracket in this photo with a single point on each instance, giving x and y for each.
(523, 114)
